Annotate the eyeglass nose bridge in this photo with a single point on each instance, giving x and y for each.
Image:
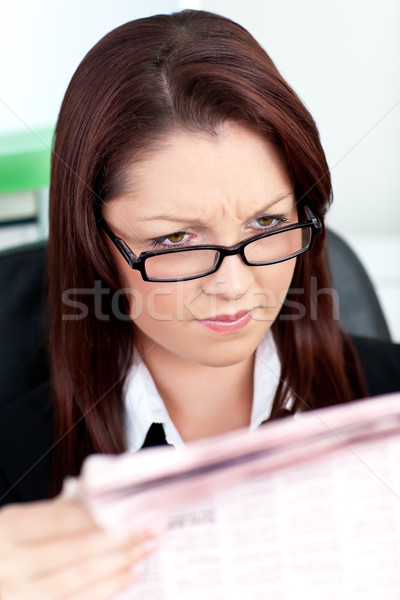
(232, 251)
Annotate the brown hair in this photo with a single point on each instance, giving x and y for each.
(194, 70)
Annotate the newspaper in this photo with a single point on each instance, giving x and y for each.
(301, 508)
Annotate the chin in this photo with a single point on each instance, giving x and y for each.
(226, 355)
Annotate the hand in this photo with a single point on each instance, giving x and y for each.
(53, 550)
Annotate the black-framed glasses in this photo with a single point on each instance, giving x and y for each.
(183, 264)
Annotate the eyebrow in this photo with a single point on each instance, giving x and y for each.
(179, 219)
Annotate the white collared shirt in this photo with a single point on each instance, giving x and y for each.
(144, 405)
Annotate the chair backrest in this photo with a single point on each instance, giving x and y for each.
(359, 310)
(24, 311)
(23, 320)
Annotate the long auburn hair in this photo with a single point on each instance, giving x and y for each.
(191, 70)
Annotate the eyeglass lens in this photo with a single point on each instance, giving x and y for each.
(197, 262)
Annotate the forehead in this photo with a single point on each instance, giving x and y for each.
(198, 175)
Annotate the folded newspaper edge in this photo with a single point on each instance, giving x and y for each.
(121, 491)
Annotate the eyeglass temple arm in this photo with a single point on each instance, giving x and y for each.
(120, 245)
(311, 217)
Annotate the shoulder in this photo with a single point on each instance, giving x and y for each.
(26, 439)
(380, 364)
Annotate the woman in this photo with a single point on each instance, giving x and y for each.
(188, 195)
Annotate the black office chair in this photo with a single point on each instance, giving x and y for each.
(359, 310)
(23, 320)
(24, 311)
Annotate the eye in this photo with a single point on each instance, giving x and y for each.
(265, 221)
(177, 238)
(269, 222)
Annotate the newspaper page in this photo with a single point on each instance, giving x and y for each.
(305, 508)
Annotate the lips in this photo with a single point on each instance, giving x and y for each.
(228, 324)
(228, 318)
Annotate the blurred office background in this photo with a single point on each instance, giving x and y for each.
(342, 58)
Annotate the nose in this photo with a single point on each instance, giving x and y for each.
(231, 280)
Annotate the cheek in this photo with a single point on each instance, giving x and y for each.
(155, 304)
(274, 283)
(158, 302)
(149, 301)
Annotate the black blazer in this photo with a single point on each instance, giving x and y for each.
(26, 425)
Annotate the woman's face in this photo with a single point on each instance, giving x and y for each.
(202, 189)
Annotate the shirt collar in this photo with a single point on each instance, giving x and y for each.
(267, 372)
(144, 405)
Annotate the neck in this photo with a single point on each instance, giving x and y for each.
(202, 400)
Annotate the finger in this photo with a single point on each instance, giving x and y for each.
(104, 590)
(40, 520)
(101, 590)
(83, 577)
(34, 560)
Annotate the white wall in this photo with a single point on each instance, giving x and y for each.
(41, 44)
